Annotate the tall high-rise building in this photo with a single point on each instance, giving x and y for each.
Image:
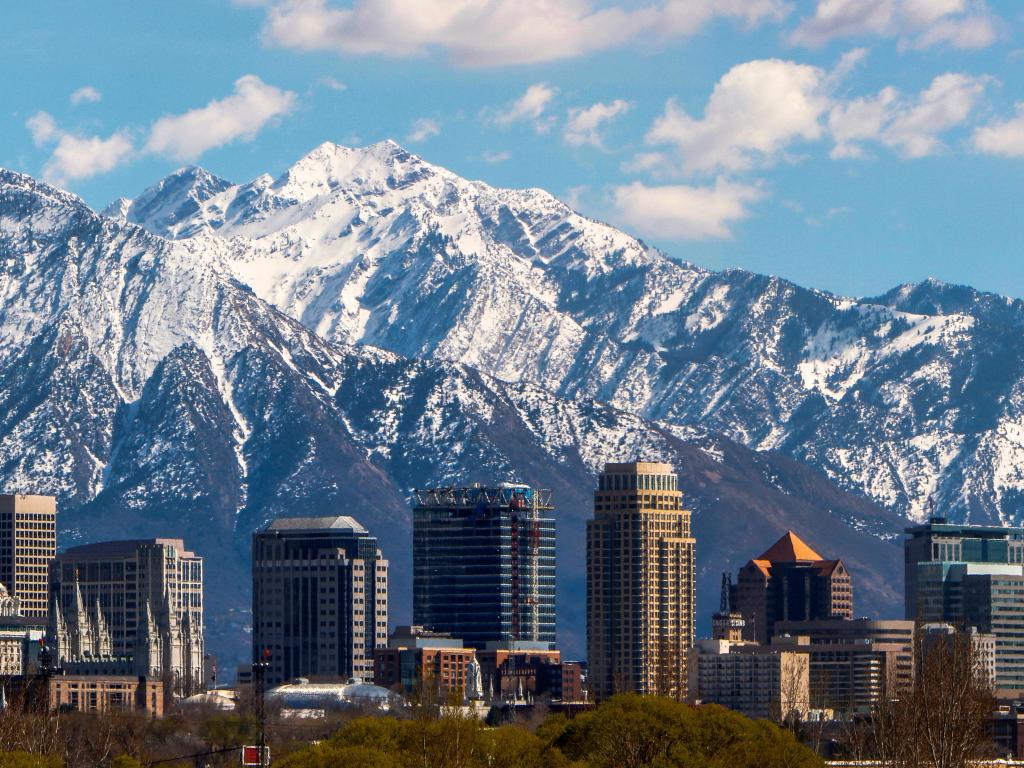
(971, 576)
(790, 582)
(484, 563)
(640, 582)
(28, 542)
(319, 598)
(140, 599)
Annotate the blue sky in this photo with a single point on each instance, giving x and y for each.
(845, 144)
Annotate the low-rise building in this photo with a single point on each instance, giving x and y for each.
(102, 694)
(759, 681)
(417, 659)
(19, 636)
(511, 669)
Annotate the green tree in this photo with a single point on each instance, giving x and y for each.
(25, 760)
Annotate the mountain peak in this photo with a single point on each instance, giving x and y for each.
(172, 200)
(374, 168)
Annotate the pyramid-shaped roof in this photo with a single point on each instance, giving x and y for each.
(790, 549)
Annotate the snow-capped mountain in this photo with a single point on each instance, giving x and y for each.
(156, 394)
(906, 397)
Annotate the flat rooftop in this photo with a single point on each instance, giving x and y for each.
(124, 548)
(328, 523)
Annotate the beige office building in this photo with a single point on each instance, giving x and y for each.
(640, 582)
(760, 681)
(28, 542)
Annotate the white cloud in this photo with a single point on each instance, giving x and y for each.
(655, 163)
(1002, 137)
(530, 107)
(332, 83)
(917, 23)
(681, 212)
(584, 124)
(43, 128)
(859, 120)
(496, 157)
(485, 33)
(423, 128)
(754, 112)
(86, 95)
(911, 126)
(239, 116)
(77, 157)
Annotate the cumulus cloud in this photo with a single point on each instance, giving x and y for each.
(239, 116)
(1002, 137)
(682, 212)
(86, 95)
(423, 128)
(759, 109)
(531, 106)
(917, 23)
(755, 111)
(584, 124)
(496, 157)
(909, 125)
(77, 157)
(483, 33)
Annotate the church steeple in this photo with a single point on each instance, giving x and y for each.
(57, 634)
(102, 643)
(80, 633)
(148, 647)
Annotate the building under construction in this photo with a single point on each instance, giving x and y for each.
(484, 563)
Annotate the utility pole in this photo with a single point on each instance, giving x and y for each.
(259, 681)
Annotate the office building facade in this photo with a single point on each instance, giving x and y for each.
(853, 663)
(971, 576)
(760, 681)
(28, 542)
(484, 563)
(640, 582)
(790, 582)
(319, 598)
(133, 606)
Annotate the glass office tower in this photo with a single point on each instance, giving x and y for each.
(484, 563)
(972, 576)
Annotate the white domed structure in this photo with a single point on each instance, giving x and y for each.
(223, 701)
(300, 694)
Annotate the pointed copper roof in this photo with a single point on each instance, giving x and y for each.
(790, 549)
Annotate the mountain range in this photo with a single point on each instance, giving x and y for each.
(209, 355)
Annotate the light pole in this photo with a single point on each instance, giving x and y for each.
(259, 680)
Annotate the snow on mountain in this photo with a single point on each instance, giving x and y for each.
(151, 390)
(905, 397)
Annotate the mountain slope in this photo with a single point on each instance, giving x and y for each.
(155, 394)
(902, 398)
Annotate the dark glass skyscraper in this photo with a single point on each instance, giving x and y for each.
(484, 563)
